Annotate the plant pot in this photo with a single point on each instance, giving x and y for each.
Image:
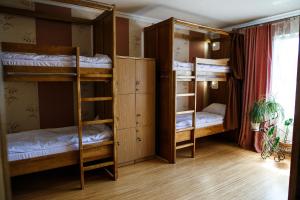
(255, 126)
(286, 146)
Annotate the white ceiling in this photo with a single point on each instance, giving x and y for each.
(217, 13)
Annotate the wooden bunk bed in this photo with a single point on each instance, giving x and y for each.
(92, 155)
(159, 43)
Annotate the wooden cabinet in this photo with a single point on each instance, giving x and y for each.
(125, 111)
(135, 112)
(126, 145)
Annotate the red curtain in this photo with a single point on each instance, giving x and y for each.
(258, 57)
(234, 99)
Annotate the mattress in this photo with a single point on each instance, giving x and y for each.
(185, 68)
(32, 59)
(203, 119)
(36, 143)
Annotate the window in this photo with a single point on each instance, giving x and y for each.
(284, 66)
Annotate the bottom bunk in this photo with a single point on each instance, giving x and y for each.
(39, 150)
(208, 122)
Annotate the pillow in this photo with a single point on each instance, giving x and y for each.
(216, 108)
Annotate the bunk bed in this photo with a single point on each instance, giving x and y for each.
(92, 144)
(178, 129)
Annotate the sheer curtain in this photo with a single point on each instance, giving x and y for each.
(285, 41)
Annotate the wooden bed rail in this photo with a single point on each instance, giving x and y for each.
(39, 49)
(199, 26)
(88, 3)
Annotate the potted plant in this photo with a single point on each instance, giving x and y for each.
(265, 110)
(285, 144)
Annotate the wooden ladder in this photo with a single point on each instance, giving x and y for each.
(192, 142)
(84, 166)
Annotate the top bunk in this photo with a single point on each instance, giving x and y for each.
(187, 47)
(205, 69)
(39, 62)
(28, 62)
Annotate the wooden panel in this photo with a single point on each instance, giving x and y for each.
(197, 46)
(125, 76)
(61, 33)
(122, 36)
(125, 114)
(126, 145)
(55, 99)
(104, 30)
(50, 162)
(145, 109)
(145, 76)
(56, 104)
(294, 187)
(224, 51)
(200, 132)
(145, 137)
(150, 43)
(97, 153)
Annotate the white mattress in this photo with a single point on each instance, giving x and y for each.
(203, 119)
(36, 143)
(31, 59)
(185, 68)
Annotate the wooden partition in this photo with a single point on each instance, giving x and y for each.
(158, 40)
(159, 44)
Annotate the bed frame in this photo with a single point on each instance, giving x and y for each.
(159, 42)
(92, 156)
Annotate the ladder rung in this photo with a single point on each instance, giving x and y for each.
(95, 75)
(186, 77)
(185, 112)
(185, 129)
(184, 145)
(185, 95)
(93, 122)
(97, 166)
(89, 146)
(92, 99)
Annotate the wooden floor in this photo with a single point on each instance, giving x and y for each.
(219, 171)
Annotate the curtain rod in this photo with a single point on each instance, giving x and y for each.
(266, 20)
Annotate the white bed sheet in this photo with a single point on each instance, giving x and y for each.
(42, 142)
(28, 59)
(187, 68)
(203, 119)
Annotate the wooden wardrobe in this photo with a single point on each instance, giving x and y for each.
(135, 113)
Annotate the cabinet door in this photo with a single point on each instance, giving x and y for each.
(125, 76)
(145, 139)
(125, 112)
(126, 145)
(145, 76)
(145, 109)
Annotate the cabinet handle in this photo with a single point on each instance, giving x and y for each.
(136, 130)
(138, 115)
(137, 82)
(118, 143)
(138, 139)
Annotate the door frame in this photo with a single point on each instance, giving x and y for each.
(5, 190)
(294, 187)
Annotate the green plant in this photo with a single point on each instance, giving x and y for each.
(266, 109)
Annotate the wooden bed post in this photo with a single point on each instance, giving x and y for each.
(5, 192)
